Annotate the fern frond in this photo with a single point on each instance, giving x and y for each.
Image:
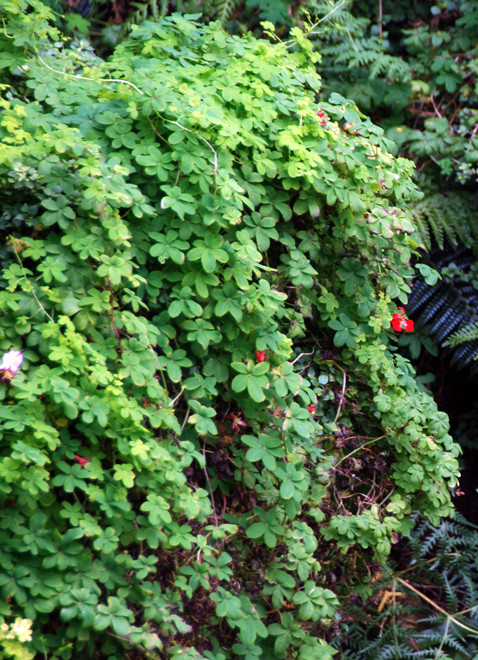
(452, 216)
(468, 333)
(208, 8)
(143, 10)
(223, 10)
(444, 567)
(449, 309)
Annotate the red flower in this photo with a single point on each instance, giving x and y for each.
(81, 461)
(260, 356)
(400, 322)
(236, 422)
(322, 118)
(312, 408)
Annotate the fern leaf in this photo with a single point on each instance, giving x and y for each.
(452, 216)
(143, 10)
(468, 333)
(223, 10)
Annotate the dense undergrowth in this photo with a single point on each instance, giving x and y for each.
(211, 442)
(413, 66)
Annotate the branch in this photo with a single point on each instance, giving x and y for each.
(450, 617)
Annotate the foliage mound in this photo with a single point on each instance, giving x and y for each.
(201, 274)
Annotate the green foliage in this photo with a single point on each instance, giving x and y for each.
(420, 84)
(439, 217)
(349, 40)
(114, 21)
(201, 274)
(29, 23)
(357, 55)
(425, 611)
(420, 79)
(467, 333)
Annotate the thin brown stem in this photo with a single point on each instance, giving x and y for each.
(437, 607)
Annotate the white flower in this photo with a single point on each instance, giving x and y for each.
(22, 629)
(10, 364)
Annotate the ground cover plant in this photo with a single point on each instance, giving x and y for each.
(210, 441)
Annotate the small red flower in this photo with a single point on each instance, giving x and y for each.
(322, 118)
(312, 408)
(260, 356)
(400, 322)
(81, 461)
(236, 422)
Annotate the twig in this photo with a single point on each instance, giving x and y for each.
(201, 138)
(324, 18)
(370, 442)
(435, 107)
(301, 355)
(342, 397)
(451, 617)
(209, 484)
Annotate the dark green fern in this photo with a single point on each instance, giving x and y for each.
(349, 42)
(142, 11)
(428, 602)
(440, 216)
(218, 10)
(223, 10)
(449, 309)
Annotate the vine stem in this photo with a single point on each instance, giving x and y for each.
(173, 401)
(170, 121)
(449, 617)
(370, 442)
(434, 106)
(342, 396)
(184, 420)
(32, 288)
(301, 355)
(324, 18)
(209, 484)
(72, 75)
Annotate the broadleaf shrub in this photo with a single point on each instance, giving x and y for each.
(201, 272)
